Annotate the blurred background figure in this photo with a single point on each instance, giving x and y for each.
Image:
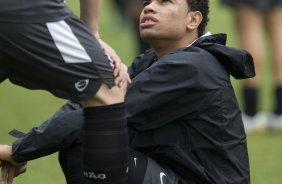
(122, 8)
(130, 12)
(252, 18)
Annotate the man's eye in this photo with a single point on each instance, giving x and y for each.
(145, 3)
(166, 1)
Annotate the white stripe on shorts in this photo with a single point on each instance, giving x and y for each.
(67, 43)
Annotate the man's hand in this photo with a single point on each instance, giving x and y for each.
(120, 69)
(9, 172)
(121, 76)
(9, 167)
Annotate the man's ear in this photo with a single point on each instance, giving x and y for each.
(194, 19)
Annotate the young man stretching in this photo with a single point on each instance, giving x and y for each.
(184, 123)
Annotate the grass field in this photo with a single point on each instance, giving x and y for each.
(23, 109)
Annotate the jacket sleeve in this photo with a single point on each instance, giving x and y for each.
(55, 134)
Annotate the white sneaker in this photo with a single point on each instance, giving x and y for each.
(275, 122)
(255, 123)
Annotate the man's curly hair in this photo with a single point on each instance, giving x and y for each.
(203, 7)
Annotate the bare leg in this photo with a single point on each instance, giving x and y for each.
(274, 27)
(250, 26)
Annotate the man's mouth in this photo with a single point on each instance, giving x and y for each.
(147, 21)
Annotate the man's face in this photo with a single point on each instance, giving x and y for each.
(163, 20)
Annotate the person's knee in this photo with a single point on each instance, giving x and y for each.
(106, 96)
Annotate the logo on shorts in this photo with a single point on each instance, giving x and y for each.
(93, 175)
(135, 161)
(161, 177)
(81, 85)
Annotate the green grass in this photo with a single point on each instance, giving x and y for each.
(23, 109)
(265, 152)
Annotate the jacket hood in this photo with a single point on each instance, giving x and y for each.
(238, 62)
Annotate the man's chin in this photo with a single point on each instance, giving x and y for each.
(148, 38)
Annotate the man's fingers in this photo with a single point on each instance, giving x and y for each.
(128, 80)
(116, 72)
(115, 62)
(4, 173)
(125, 77)
(117, 69)
(113, 57)
(11, 173)
(122, 76)
(20, 170)
(118, 76)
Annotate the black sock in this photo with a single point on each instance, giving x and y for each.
(105, 144)
(278, 97)
(250, 100)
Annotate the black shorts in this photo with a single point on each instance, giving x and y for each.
(61, 57)
(144, 170)
(263, 6)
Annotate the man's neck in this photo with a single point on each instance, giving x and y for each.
(163, 47)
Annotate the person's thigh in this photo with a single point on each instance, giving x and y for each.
(262, 6)
(144, 170)
(62, 57)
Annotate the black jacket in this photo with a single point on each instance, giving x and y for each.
(182, 112)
